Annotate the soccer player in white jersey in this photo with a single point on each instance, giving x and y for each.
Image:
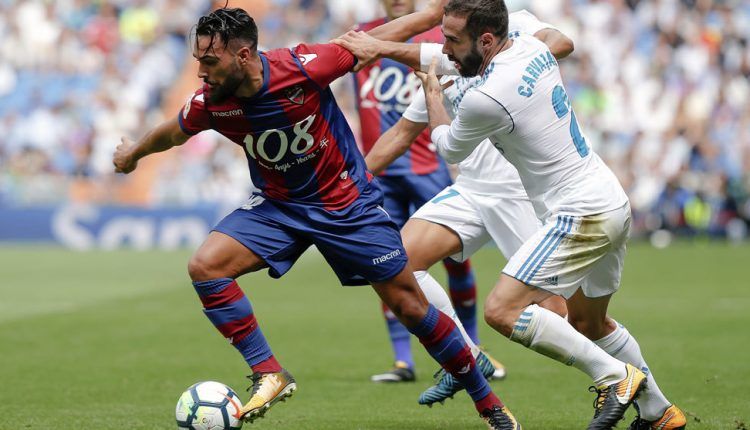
(487, 201)
(521, 106)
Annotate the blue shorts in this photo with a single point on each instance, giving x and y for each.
(360, 243)
(403, 195)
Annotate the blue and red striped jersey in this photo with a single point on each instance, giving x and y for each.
(384, 90)
(298, 145)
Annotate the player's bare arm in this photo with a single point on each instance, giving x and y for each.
(393, 144)
(397, 30)
(407, 26)
(558, 43)
(368, 48)
(166, 135)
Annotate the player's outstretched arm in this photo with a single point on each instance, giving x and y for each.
(393, 144)
(408, 26)
(164, 136)
(376, 43)
(558, 43)
(368, 49)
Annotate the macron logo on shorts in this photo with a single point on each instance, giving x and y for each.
(386, 257)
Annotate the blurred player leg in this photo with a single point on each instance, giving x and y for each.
(442, 339)
(396, 203)
(463, 293)
(427, 243)
(355, 257)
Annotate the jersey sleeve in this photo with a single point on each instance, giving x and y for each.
(417, 109)
(479, 117)
(194, 117)
(427, 51)
(324, 62)
(525, 22)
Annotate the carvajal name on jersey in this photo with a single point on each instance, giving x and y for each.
(544, 62)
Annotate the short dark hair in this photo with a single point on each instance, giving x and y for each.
(228, 24)
(482, 16)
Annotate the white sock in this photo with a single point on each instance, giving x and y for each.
(622, 345)
(547, 333)
(437, 296)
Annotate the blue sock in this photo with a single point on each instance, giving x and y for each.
(442, 339)
(226, 305)
(463, 292)
(400, 338)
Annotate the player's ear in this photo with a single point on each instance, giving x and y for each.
(244, 54)
(486, 40)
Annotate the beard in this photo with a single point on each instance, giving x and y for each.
(220, 93)
(470, 63)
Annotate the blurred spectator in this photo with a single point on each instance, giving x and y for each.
(660, 86)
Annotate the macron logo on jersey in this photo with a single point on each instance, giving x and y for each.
(306, 58)
(234, 112)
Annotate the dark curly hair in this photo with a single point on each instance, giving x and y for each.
(228, 25)
(482, 16)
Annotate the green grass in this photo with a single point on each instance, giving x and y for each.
(109, 340)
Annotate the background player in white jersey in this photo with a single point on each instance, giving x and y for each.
(486, 203)
(522, 107)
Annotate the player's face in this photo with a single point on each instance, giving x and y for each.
(398, 8)
(219, 68)
(460, 47)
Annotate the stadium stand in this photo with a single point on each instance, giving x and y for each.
(661, 87)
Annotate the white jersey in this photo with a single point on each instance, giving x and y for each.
(520, 105)
(485, 170)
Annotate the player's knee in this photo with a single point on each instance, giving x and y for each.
(409, 312)
(592, 328)
(201, 268)
(555, 304)
(498, 316)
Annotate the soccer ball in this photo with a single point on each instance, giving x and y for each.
(209, 406)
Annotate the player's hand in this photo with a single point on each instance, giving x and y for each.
(437, 5)
(436, 8)
(123, 159)
(362, 45)
(431, 82)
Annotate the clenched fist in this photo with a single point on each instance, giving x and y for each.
(123, 159)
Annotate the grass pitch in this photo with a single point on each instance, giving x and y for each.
(109, 340)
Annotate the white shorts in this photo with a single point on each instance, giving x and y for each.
(575, 251)
(477, 218)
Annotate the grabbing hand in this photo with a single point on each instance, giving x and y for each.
(123, 158)
(431, 82)
(437, 5)
(362, 45)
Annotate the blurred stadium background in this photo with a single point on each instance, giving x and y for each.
(108, 340)
(660, 86)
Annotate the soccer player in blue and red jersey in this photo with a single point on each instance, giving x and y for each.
(314, 190)
(384, 89)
